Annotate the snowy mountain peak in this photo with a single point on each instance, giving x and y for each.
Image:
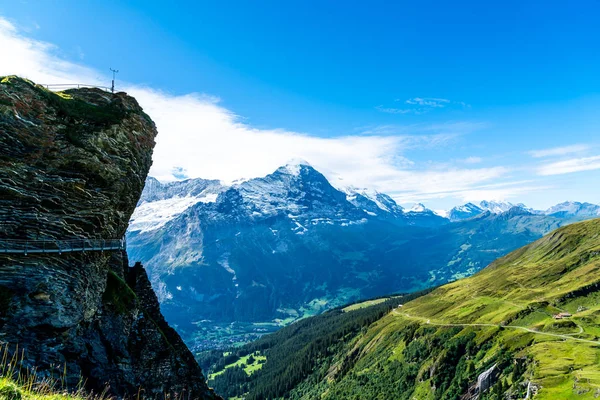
(469, 207)
(470, 210)
(371, 201)
(294, 166)
(155, 190)
(465, 211)
(162, 202)
(497, 207)
(293, 189)
(419, 208)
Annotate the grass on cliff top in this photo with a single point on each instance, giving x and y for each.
(18, 383)
(11, 390)
(73, 108)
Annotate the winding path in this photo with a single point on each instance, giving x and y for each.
(562, 336)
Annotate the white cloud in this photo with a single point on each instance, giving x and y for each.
(472, 160)
(559, 151)
(200, 138)
(442, 183)
(207, 140)
(38, 61)
(501, 194)
(500, 191)
(570, 166)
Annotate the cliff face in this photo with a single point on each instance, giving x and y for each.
(73, 165)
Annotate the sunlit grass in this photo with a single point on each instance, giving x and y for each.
(18, 383)
(243, 362)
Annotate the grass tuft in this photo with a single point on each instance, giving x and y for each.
(19, 383)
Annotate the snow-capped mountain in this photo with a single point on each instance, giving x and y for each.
(420, 215)
(470, 210)
(295, 191)
(574, 209)
(298, 191)
(419, 208)
(497, 207)
(161, 203)
(463, 212)
(373, 202)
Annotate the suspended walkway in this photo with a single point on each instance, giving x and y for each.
(59, 246)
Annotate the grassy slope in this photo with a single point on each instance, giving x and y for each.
(13, 390)
(521, 290)
(524, 289)
(364, 304)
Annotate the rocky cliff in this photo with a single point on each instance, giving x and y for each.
(73, 165)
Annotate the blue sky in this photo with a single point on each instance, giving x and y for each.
(440, 102)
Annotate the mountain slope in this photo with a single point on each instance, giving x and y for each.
(494, 334)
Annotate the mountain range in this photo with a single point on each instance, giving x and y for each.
(229, 263)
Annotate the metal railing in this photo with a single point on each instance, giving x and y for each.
(59, 246)
(64, 86)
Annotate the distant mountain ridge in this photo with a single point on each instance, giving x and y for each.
(568, 209)
(574, 209)
(289, 244)
(180, 195)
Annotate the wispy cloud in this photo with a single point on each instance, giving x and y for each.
(392, 110)
(420, 105)
(472, 160)
(450, 130)
(559, 151)
(428, 102)
(510, 193)
(507, 190)
(570, 166)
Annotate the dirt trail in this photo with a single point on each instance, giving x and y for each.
(562, 336)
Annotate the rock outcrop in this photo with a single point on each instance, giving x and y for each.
(73, 165)
(486, 379)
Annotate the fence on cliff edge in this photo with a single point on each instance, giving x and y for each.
(57, 87)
